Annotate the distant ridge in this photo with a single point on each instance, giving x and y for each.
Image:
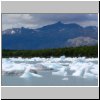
(50, 36)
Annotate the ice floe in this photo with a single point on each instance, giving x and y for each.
(62, 66)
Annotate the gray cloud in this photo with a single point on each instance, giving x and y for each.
(39, 20)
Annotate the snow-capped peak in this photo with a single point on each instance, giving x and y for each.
(12, 32)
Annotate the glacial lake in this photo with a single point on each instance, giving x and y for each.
(52, 71)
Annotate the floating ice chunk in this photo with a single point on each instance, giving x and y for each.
(62, 57)
(52, 65)
(79, 72)
(36, 75)
(74, 66)
(26, 75)
(81, 66)
(92, 59)
(66, 78)
(94, 71)
(13, 67)
(61, 72)
(27, 69)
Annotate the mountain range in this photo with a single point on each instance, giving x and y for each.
(56, 35)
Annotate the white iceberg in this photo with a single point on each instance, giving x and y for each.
(62, 66)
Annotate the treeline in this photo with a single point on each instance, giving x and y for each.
(87, 51)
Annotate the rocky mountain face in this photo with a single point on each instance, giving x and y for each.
(50, 36)
(81, 41)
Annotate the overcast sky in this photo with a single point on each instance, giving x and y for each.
(38, 20)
